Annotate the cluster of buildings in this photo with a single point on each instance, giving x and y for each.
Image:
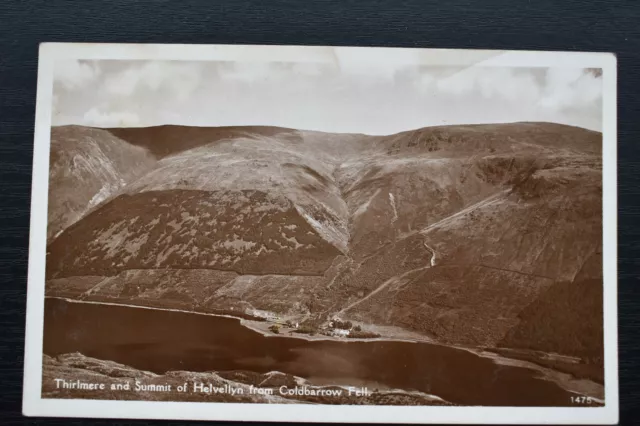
(340, 328)
(336, 327)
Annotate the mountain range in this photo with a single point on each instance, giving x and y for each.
(484, 236)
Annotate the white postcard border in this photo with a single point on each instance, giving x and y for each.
(35, 405)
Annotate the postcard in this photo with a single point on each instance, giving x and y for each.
(323, 234)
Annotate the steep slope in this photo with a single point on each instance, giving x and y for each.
(415, 179)
(480, 268)
(249, 232)
(273, 165)
(456, 238)
(88, 166)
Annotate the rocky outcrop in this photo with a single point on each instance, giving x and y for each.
(122, 382)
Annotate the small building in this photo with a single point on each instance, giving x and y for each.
(340, 332)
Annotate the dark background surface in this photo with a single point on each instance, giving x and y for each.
(575, 25)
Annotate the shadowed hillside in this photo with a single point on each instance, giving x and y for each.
(87, 167)
(163, 141)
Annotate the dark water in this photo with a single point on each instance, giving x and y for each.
(160, 341)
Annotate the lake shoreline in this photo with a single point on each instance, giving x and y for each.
(564, 380)
(253, 325)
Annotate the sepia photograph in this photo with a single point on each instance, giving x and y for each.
(335, 227)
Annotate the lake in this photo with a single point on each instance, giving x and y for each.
(161, 341)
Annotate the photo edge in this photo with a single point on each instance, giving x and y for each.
(31, 407)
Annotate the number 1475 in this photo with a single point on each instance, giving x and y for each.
(581, 400)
